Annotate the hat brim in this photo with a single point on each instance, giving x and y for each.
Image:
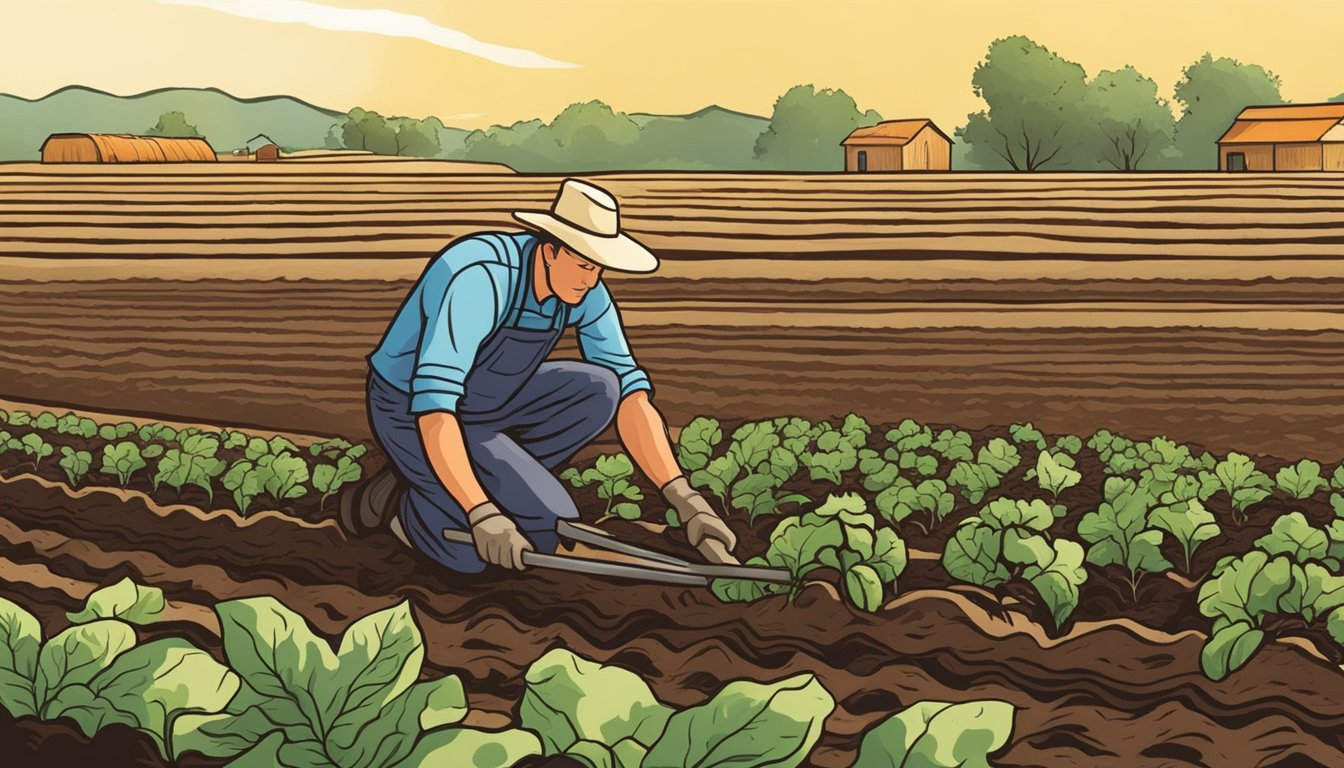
(621, 252)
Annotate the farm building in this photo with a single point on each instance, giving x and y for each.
(124, 148)
(898, 145)
(262, 149)
(1291, 137)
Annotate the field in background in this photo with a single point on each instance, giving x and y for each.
(1200, 306)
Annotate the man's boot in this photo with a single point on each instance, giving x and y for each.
(370, 505)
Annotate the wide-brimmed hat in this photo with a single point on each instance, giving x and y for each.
(586, 219)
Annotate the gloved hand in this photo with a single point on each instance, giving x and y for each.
(696, 516)
(497, 538)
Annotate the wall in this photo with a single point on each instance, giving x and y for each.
(939, 152)
(880, 157)
(1297, 157)
(1259, 157)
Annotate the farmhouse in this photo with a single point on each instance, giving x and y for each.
(898, 145)
(262, 149)
(124, 148)
(1291, 137)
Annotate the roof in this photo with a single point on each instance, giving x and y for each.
(253, 144)
(1281, 124)
(892, 132)
(125, 147)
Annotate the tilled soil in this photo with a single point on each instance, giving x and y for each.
(1111, 693)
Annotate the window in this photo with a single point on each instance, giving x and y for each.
(863, 160)
(1236, 161)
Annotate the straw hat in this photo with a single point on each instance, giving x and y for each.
(585, 218)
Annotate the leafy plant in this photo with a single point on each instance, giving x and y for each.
(1240, 480)
(73, 424)
(839, 534)
(45, 421)
(195, 463)
(697, 441)
(910, 436)
(904, 499)
(233, 440)
(855, 430)
(75, 463)
(330, 478)
(1186, 519)
(758, 493)
(833, 456)
(938, 734)
(1292, 535)
(1301, 480)
(283, 475)
(246, 481)
(1120, 534)
(953, 445)
(110, 432)
(332, 448)
(973, 480)
(1055, 473)
(9, 443)
(301, 703)
(1027, 434)
(257, 448)
(1006, 540)
(34, 446)
(123, 460)
(795, 434)
(20, 418)
(612, 475)
(123, 600)
(160, 432)
(1070, 444)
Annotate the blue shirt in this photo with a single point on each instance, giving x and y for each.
(461, 299)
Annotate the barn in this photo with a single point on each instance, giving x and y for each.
(262, 149)
(1289, 137)
(124, 148)
(898, 145)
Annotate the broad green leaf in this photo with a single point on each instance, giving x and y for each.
(573, 477)
(953, 445)
(889, 556)
(745, 590)
(746, 725)
(717, 476)
(123, 600)
(1301, 480)
(1292, 535)
(615, 467)
(1058, 578)
(75, 463)
(45, 421)
(233, 440)
(330, 478)
(122, 460)
(1000, 455)
(938, 734)
(152, 451)
(1026, 433)
(379, 658)
(285, 475)
(626, 511)
(1187, 521)
(470, 748)
(1071, 444)
(256, 448)
(973, 480)
(246, 482)
(570, 699)
(696, 443)
(278, 445)
(1245, 484)
(1229, 648)
(1054, 477)
(801, 547)
(972, 555)
(1337, 504)
(384, 737)
(592, 754)
(71, 659)
(107, 432)
(35, 446)
(1246, 588)
(20, 642)
(20, 418)
(1335, 625)
(1001, 514)
(752, 445)
(864, 588)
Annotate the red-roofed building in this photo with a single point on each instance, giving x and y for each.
(1291, 137)
(898, 145)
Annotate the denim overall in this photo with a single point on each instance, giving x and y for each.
(521, 418)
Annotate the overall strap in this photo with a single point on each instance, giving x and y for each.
(515, 312)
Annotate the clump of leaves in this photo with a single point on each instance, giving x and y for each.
(1181, 513)
(75, 463)
(34, 446)
(122, 460)
(1107, 444)
(1301, 480)
(19, 418)
(1120, 533)
(159, 432)
(1008, 540)
(611, 474)
(1070, 444)
(905, 500)
(840, 534)
(195, 463)
(1054, 472)
(993, 461)
(111, 432)
(953, 445)
(337, 448)
(1240, 480)
(1026, 434)
(45, 421)
(330, 478)
(759, 492)
(74, 424)
(938, 734)
(696, 443)
(795, 434)
(831, 457)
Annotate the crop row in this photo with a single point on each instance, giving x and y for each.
(285, 696)
(910, 479)
(242, 466)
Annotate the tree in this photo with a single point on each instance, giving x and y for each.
(584, 136)
(1135, 126)
(368, 131)
(1038, 116)
(414, 138)
(806, 129)
(1338, 98)
(174, 124)
(1211, 94)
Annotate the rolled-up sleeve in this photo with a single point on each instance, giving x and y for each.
(457, 319)
(602, 340)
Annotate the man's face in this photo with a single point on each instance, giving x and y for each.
(572, 276)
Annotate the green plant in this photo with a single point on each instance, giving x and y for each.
(1070, 444)
(1240, 480)
(1054, 473)
(795, 433)
(233, 440)
(839, 534)
(832, 456)
(697, 441)
(75, 463)
(160, 432)
(19, 418)
(330, 478)
(256, 448)
(1181, 514)
(904, 499)
(110, 432)
(1027, 434)
(1301, 480)
(283, 475)
(758, 493)
(194, 463)
(1007, 540)
(1120, 533)
(45, 421)
(938, 734)
(953, 445)
(331, 448)
(245, 481)
(977, 478)
(33, 445)
(73, 424)
(123, 460)
(612, 475)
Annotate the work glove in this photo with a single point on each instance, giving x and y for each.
(496, 536)
(696, 516)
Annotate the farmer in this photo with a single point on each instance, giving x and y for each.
(475, 420)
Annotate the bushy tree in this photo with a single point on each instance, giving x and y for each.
(1039, 112)
(1134, 126)
(806, 129)
(1211, 93)
(371, 132)
(174, 124)
(584, 136)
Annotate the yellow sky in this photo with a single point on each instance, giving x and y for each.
(665, 56)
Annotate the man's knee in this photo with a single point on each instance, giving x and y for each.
(604, 388)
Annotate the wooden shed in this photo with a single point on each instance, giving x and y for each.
(898, 145)
(1289, 137)
(262, 149)
(124, 148)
